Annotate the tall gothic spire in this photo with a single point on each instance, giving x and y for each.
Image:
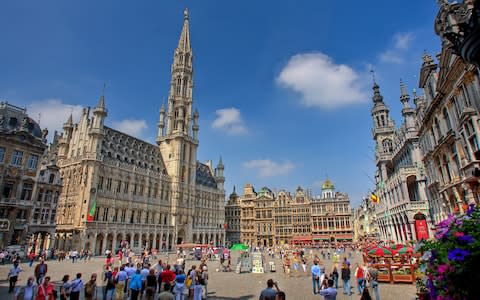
(184, 42)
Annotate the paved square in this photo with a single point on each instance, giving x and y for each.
(222, 285)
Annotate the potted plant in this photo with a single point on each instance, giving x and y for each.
(450, 261)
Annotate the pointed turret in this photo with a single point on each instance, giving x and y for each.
(219, 174)
(99, 113)
(184, 42)
(404, 97)
(161, 123)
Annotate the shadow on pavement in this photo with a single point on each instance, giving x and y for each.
(247, 297)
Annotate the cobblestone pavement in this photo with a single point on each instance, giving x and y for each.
(222, 285)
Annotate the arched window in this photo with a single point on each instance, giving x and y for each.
(185, 85)
(387, 146)
(178, 86)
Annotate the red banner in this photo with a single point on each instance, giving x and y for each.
(421, 229)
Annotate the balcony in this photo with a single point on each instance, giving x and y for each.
(419, 205)
(16, 202)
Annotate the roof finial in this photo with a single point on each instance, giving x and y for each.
(373, 76)
(185, 13)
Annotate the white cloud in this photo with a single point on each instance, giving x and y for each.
(269, 168)
(134, 128)
(321, 82)
(53, 113)
(230, 121)
(402, 40)
(390, 56)
(401, 43)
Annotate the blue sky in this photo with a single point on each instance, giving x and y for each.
(283, 87)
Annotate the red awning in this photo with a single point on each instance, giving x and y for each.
(302, 238)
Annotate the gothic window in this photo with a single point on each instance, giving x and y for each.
(387, 146)
(187, 59)
(382, 117)
(446, 117)
(2, 154)
(184, 86)
(178, 86)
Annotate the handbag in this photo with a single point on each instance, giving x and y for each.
(188, 282)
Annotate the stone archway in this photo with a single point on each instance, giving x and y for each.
(99, 244)
(150, 241)
(143, 240)
(180, 236)
(128, 239)
(158, 241)
(194, 239)
(136, 239)
(119, 241)
(110, 242)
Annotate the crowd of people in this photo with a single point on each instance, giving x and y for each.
(125, 275)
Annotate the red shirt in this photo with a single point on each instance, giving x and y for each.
(44, 292)
(168, 276)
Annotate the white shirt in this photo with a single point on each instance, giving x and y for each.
(14, 271)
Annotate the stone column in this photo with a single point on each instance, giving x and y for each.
(412, 228)
(114, 242)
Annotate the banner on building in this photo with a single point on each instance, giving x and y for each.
(421, 229)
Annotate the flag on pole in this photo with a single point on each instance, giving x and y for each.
(375, 198)
(91, 213)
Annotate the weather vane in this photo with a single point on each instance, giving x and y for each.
(373, 76)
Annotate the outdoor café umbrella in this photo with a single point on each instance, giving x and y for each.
(398, 246)
(239, 247)
(381, 252)
(405, 250)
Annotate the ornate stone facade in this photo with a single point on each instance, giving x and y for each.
(450, 133)
(29, 180)
(400, 177)
(153, 196)
(269, 219)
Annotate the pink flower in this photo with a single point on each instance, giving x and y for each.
(442, 269)
(459, 234)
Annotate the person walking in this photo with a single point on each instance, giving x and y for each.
(121, 280)
(334, 275)
(13, 276)
(40, 271)
(372, 276)
(110, 285)
(76, 287)
(330, 293)
(315, 270)
(135, 285)
(359, 275)
(45, 290)
(91, 288)
(28, 291)
(31, 257)
(151, 285)
(65, 288)
(205, 281)
(179, 287)
(346, 279)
